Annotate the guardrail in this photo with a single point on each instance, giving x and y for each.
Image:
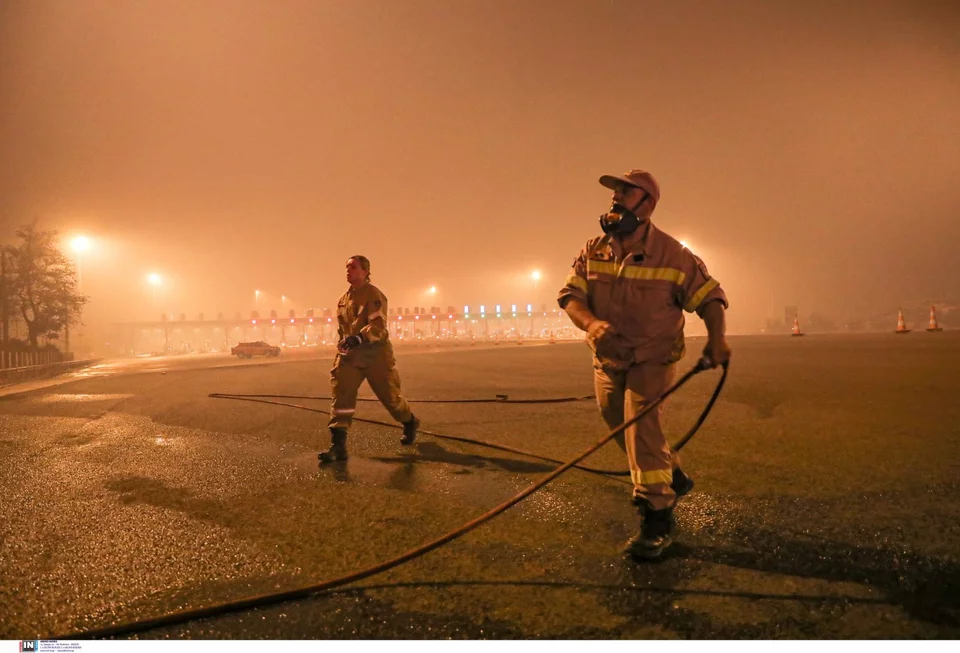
(16, 359)
(30, 372)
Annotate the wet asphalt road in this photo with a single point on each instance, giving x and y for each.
(826, 503)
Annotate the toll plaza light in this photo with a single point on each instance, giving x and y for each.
(466, 309)
(513, 308)
(498, 308)
(482, 309)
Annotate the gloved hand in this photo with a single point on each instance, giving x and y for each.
(601, 335)
(600, 330)
(350, 342)
(717, 351)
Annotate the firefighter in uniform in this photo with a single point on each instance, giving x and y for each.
(628, 290)
(364, 352)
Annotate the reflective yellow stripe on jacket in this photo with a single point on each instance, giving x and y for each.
(577, 282)
(636, 272)
(694, 302)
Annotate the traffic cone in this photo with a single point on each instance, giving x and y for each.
(553, 339)
(496, 338)
(473, 340)
(933, 321)
(519, 337)
(796, 327)
(901, 325)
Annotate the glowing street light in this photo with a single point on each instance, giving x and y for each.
(80, 244)
(433, 290)
(535, 275)
(256, 298)
(154, 280)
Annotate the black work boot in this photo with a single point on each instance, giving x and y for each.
(681, 484)
(410, 430)
(338, 448)
(656, 533)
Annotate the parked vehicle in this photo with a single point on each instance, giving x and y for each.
(251, 349)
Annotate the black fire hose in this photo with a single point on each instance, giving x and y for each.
(499, 399)
(303, 592)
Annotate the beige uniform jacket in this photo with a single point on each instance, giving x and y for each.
(642, 294)
(363, 311)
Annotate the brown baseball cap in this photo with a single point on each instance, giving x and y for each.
(639, 178)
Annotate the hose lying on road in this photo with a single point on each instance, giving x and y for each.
(499, 399)
(443, 436)
(303, 592)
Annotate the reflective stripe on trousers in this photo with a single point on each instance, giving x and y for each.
(621, 394)
(384, 380)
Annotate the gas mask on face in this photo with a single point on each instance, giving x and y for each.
(621, 221)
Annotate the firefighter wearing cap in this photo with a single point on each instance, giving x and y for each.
(628, 290)
(364, 352)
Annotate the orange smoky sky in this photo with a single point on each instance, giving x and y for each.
(809, 151)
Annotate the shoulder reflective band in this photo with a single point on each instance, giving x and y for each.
(694, 302)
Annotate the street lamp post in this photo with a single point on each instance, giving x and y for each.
(535, 275)
(80, 244)
(154, 280)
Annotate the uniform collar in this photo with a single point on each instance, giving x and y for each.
(360, 287)
(641, 247)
